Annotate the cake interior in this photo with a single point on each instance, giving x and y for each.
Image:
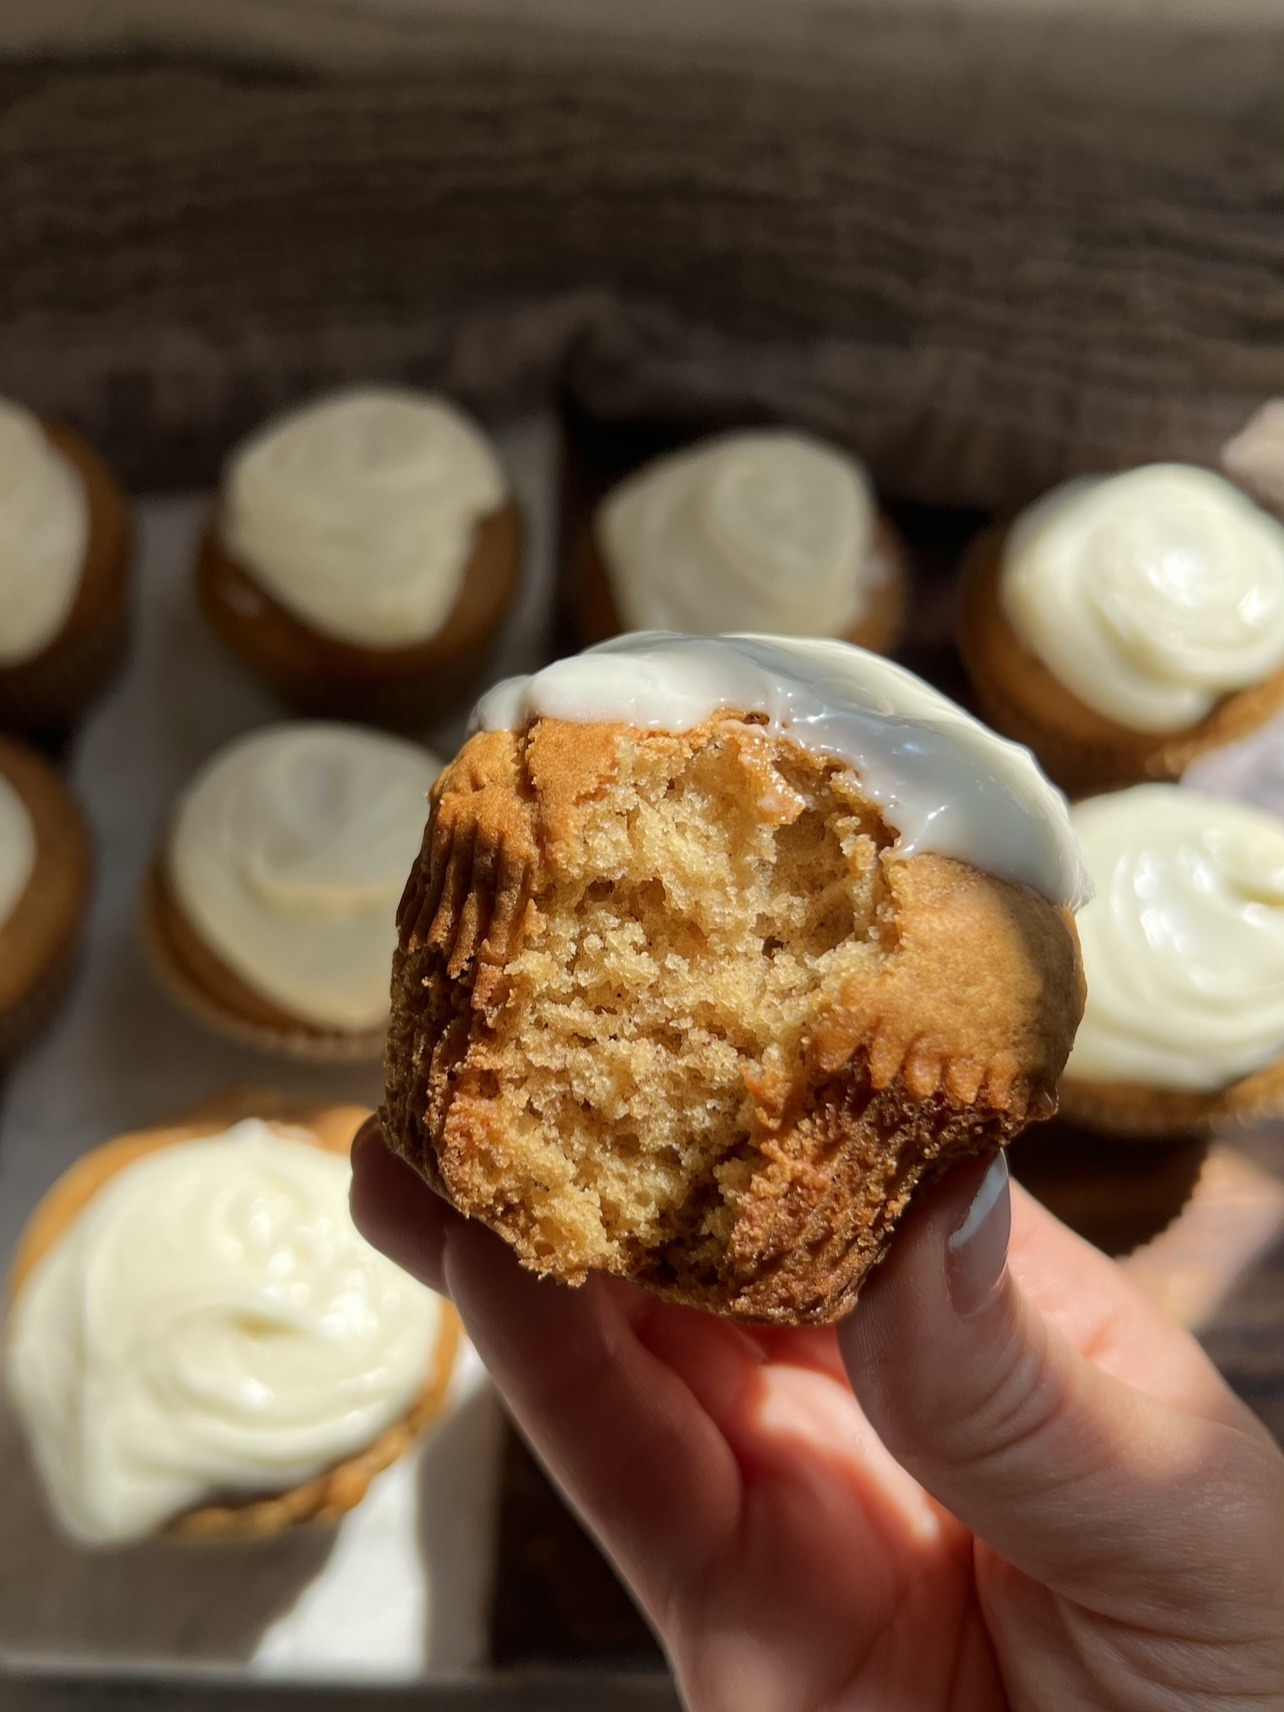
(653, 1030)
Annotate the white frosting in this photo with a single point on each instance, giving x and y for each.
(359, 512)
(1183, 945)
(44, 536)
(1150, 595)
(750, 531)
(288, 854)
(212, 1324)
(939, 777)
(17, 849)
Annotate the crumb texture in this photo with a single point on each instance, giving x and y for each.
(670, 1007)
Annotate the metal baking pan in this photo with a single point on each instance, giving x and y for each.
(160, 1630)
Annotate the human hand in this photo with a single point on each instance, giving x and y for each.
(1045, 1498)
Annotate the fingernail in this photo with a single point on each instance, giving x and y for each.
(976, 1251)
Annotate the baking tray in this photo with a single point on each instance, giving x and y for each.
(164, 1632)
(558, 1690)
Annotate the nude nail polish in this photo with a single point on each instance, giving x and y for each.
(976, 1251)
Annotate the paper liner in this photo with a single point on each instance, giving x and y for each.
(329, 1495)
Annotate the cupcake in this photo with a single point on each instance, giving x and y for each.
(715, 950)
(270, 909)
(363, 553)
(199, 1342)
(1125, 624)
(1183, 949)
(763, 530)
(45, 875)
(64, 562)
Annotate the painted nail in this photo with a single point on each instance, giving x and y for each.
(976, 1251)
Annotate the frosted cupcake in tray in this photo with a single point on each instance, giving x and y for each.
(1183, 949)
(64, 564)
(759, 530)
(363, 553)
(270, 912)
(1123, 625)
(199, 1342)
(45, 876)
(715, 950)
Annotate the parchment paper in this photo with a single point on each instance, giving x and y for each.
(402, 1586)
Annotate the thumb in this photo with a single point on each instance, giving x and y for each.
(1067, 1472)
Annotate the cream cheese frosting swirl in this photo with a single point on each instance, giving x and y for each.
(1183, 945)
(288, 854)
(359, 512)
(211, 1324)
(1150, 595)
(761, 530)
(17, 849)
(941, 779)
(44, 536)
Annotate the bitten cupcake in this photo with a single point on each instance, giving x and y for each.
(64, 564)
(271, 906)
(199, 1342)
(1124, 625)
(763, 530)
(1183, 948)
(363, 553)
(45, 875)
(715, 950)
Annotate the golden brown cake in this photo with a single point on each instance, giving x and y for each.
(270, 906)
(324, 1496)
(1183, 948)
(45, 879)
(1077, 646)
(759, 530)
(362, 555)
(703, 1006)
(65, 538)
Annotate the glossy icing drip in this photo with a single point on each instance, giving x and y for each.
(943, 781)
